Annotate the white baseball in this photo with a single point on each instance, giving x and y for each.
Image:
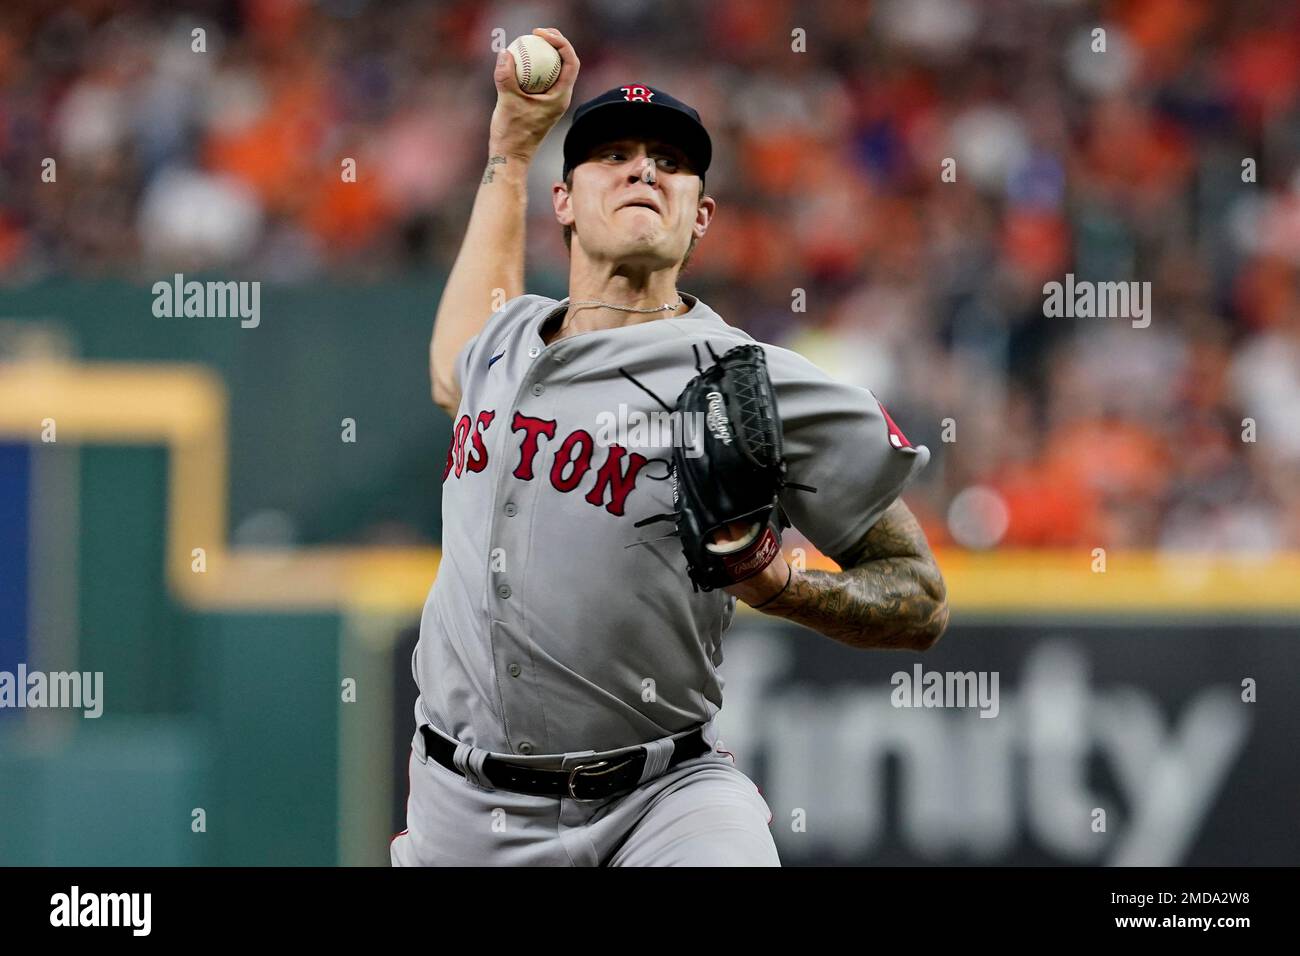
(537, 63)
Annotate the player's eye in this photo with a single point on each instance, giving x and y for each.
(669, 163)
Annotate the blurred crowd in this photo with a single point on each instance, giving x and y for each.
(1163, 150)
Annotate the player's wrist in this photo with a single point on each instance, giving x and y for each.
(517, 154)
(770, 603)
(765, 590)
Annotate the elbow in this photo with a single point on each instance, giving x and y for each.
(444, 396)
(441, 398)
(936, 621)
(928, 635)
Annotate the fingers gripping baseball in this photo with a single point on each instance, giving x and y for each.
(521, 120)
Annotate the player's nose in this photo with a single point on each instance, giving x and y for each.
(642, 170)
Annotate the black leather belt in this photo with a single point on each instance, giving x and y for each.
(586, 781)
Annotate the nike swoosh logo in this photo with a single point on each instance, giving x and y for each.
(493, 359)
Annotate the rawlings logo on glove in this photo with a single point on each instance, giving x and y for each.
(716, 420)
(737, 475)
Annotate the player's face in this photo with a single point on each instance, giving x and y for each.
(618, 216)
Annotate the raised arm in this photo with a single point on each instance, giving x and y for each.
(491, 255)
(889, 593)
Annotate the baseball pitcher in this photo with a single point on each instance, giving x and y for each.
(622, 466)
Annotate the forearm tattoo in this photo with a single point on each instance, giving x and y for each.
(488, 171)
(889, 595)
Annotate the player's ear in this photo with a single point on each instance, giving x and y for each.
(704, 215)
(562, 203)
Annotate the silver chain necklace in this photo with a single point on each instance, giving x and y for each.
(625, 308)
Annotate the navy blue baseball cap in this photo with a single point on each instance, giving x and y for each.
(637, 110)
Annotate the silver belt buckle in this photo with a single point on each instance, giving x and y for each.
(574, 772)
(591, 766)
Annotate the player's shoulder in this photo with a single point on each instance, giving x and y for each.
(510, 321)
(519, 311)
(785, 366)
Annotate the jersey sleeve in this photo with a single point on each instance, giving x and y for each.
(839, 439)
(518, 309)
(463, 359)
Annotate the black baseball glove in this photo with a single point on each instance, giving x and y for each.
(729, 470)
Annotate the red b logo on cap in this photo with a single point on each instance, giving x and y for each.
(637, 94)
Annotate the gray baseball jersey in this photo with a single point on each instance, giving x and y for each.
(556, 626)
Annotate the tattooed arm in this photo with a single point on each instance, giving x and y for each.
(489, 269)
(889, 593)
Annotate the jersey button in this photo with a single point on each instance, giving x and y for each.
(539, 388)
(503, 591)
(515, 670)
(534, 352)
(510, 509)
(525, 747)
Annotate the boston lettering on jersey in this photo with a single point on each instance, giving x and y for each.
(572, 459)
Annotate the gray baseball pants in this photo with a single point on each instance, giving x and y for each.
(702, 812)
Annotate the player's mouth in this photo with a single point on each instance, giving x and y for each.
(643, 204)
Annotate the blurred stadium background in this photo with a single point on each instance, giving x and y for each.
(1120, 689)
